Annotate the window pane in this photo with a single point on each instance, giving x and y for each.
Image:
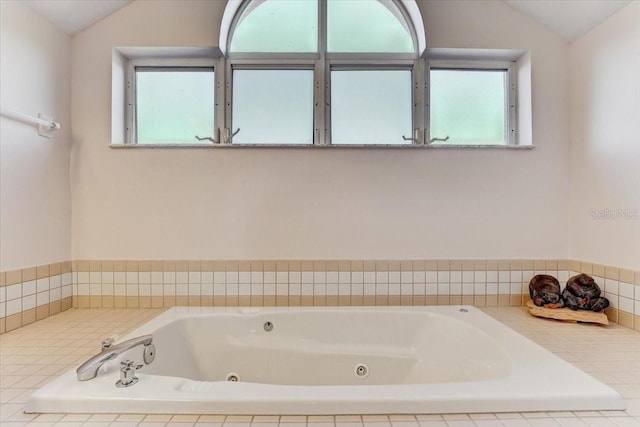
(367, 26)
(173, 106)
(468, 106)
(370, 107)
(273, 106)
(277, 26)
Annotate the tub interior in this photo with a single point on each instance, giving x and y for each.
(308, 348)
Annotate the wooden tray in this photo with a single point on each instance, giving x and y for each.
(567, 314)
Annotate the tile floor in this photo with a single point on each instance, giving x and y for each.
(32, 355)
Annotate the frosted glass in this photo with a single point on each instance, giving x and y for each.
(172, 106)
(277, 26)
(370, 107)
(468, 106)
(367, 26)
(273, 106)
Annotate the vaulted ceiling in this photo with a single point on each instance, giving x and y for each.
(569, 18)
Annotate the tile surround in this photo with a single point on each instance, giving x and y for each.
(34, 293)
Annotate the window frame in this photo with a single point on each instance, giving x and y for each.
(223, 62)
(131, 119)
(510, 111)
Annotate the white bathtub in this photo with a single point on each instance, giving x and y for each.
(417, 359)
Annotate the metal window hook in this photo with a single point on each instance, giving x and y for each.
(215, 139)
(229, 134)
(445, 139)
(416, 137)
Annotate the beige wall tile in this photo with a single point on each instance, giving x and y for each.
(282, 300)
(597, 270)
(443, 265)
(232, 301)
(612, 314)
(418, 265)
(254, 300)
(479, 301)
(65, 267)
(504, 301)
(504, 264)
(357, 300)
(55, 307)
(586, 267)
(393, 300)
(419, 300)
(636, 323)
(455, 299)
(55, 268)
(28, 316)
(205, 301)
(81, 265)
(563, 265)
(515, 300)
(144, 266)
(492, 264)
(13, 277)
(42, 312)
(29, 274)
(394, 265)
(95, 265)
(382, 300)
(3, 326)
(95, 301)
(66, 303)
(84, 301)
(294, 300)
(306, 300)
(357, 265)
(406, 300)
(626, 276)
(193, 301)
(625, 319)
(344, 300)
(431, 300)
(108, 301)
(467, 299)
(144, 302)
(108, 265)
(3, 278)
(332, 300)
(516, 264)
(368, 300)
(551, 264)
(132, 266)
(611, 272)
(182, 300)
(637, 275)
(243, 301)
(157, 302)
(480, 264)
(492, 300)
(132, 302)
(319, 300)
(120, 301)
(269, 301)
(443, 299)
(13, 322)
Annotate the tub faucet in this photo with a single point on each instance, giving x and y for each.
(89, 369)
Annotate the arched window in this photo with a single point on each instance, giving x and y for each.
(323, 71)
(320, 72)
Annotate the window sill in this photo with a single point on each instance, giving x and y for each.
(319, 146)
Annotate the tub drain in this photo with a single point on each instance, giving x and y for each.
(233, 377)
(361, 370)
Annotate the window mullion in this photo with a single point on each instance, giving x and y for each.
(321, 120)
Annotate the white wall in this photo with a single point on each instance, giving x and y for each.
(605, 150)
(301, 203)
(35, 203)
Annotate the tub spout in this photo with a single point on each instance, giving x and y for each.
(89, 369)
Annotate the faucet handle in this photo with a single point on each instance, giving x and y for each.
(130, 364)
(108, 342)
